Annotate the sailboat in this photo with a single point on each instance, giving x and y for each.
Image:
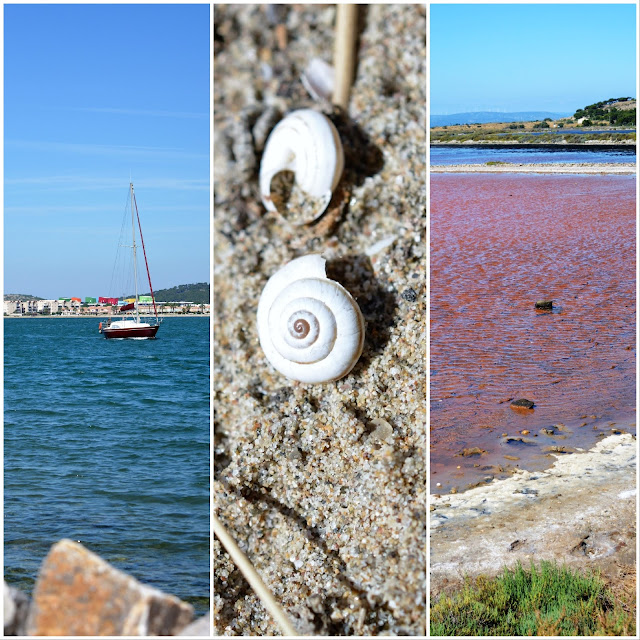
(131, 325)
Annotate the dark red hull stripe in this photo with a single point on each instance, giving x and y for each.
(144, 332)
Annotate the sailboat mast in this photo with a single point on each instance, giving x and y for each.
(135, 261)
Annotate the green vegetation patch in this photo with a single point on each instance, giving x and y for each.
(606, 111)
(195, 293)
(546, 601)
(14, 297)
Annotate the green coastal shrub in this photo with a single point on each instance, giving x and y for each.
(546, 600)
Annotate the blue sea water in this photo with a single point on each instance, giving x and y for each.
(107, 442)
(481, 153)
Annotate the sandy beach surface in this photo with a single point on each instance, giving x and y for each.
(580, 512)
(330, 508)
(621, 168)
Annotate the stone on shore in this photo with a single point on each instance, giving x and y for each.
(79, 594)
(16, 606)
(544, 304)
(199, 627)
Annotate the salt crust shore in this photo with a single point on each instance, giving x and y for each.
(581, 511)
(619, 168)
(612, 457)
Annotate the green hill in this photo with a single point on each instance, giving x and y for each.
(615, 111)
(197, 293)
(20, 296)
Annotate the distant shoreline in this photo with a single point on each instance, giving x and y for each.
(621, 168)
(598, 145)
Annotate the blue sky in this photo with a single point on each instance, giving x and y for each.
(94, 94)
(523, 57)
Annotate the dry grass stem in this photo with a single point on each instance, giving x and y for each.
(344, 52)
(251, 575)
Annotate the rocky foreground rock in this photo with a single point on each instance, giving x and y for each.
(77, 593)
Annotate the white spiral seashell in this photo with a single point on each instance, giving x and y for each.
(307, 143)
(310, 328)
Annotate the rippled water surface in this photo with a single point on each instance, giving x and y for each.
(107, 442)
(499, 243)
(479, 154)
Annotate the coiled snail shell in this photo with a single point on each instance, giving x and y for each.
(310, 328)
(307, 143)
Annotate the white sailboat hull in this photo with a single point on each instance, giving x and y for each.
(129, 329)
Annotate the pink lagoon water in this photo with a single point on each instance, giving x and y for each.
(499, 243)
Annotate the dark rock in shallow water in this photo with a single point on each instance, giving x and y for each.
(473, 451)
(544, 304)
(518, 440)
(523, 403)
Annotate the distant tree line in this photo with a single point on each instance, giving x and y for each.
(602, 111)
(196, 293)
(14, 297)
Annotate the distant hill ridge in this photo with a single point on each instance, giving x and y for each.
(614, 111)
(14, 297)
(480, 117)
(197, 293)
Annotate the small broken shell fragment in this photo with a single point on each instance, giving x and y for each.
(307, 144)
(319, 80)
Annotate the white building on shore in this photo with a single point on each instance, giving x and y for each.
(68, 307)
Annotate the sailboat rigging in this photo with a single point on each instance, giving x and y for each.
(133, 326)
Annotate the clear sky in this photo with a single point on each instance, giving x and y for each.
(94, 94)
(528, 57)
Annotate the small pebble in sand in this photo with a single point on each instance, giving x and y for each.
(382, 429)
